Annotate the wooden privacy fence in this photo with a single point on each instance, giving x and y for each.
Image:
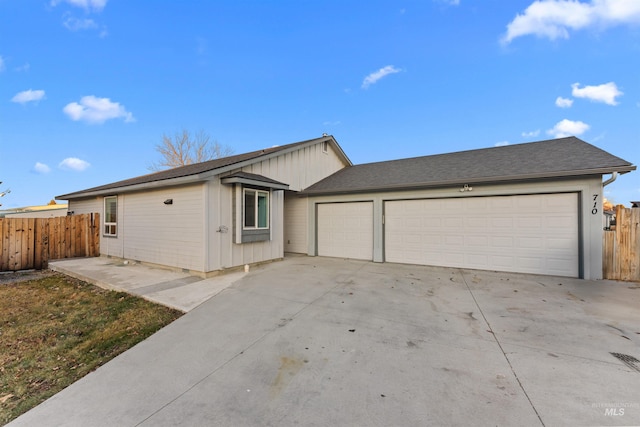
(621, 247)
(29, 243)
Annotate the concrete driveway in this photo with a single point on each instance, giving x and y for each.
(319, 341)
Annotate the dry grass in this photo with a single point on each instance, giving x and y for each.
(55, 329)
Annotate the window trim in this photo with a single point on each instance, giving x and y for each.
(252, 234)
(256, 207)
(106, 229)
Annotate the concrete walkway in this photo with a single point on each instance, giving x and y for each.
(174, 289)
(327, 342)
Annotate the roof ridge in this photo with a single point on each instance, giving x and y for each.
(472, 150)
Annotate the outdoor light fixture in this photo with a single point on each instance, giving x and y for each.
(466, 188)
(168, 202)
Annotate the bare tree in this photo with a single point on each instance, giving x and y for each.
(183, 149)
(3, 193)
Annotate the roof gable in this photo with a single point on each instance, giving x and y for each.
(543, 159)
(199, 171)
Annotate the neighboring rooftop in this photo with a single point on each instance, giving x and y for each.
(562, 157)
(40, 208)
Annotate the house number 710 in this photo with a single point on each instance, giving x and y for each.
(595, 204)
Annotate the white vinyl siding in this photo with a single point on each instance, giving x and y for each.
(170, 235)
(110, 216)
(524, 233)
(85, 206)
(345, 230)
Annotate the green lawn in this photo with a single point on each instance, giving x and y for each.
(56, 329)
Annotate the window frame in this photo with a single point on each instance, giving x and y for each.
(110, 225)
(256, 209)
(253, 232)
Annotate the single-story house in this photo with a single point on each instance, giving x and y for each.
(42, 211)
(530, 208)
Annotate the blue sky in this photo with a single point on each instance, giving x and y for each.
(88, 87)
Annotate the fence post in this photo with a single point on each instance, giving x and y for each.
(45, 245)
(4, 241)
(95, 234)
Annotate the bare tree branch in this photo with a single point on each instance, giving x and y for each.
(183, 150)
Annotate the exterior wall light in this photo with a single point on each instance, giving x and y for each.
(168, 202)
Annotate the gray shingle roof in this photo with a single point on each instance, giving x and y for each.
(190, 170)
(535, 160)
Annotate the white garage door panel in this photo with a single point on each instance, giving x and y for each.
(345, 230)
(528, 234)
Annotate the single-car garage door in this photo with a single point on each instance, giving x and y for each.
(525, 233)
(345, 230)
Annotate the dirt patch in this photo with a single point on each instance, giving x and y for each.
(23, 276)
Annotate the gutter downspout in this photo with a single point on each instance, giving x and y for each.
(614, 176)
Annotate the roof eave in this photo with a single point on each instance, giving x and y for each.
(255, 182)
(205, 175)
(172, 182)
(473, 181)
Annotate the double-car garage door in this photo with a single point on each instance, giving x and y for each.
(523, 233)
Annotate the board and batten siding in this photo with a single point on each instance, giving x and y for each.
(223, 252)
(301, 168)
(295, 223)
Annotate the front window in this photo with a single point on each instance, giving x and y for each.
(256, 209)
(110, 216)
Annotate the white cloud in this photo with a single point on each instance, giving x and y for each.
(28, 96)
(563, 102)
(501, 143)
(96, 5)
(75, 24)
(531, 134)
(96, 110)
(24, 67)
(74, 163)
(377, 75)
(41, 168)
(568, 128)
(554, 18)
(606, 93)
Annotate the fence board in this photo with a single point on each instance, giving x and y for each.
(13, 245)
(29, 243)
(621, 247)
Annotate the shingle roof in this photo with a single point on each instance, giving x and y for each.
(544, 159)
(190, 170)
